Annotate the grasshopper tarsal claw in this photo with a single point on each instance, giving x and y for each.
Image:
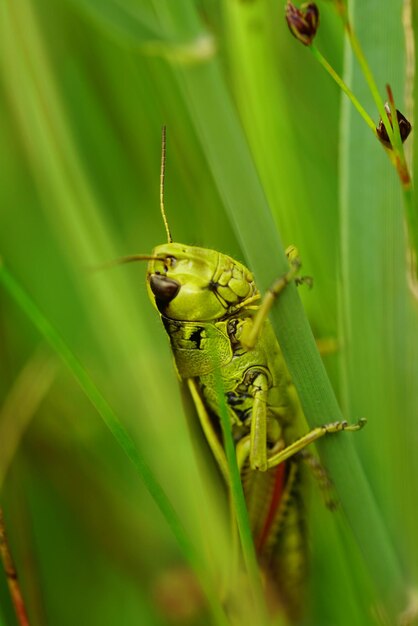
(304, 280)
(295, 263)
(358, 426)
(334, 427)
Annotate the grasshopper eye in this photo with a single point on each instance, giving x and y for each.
(164, 289)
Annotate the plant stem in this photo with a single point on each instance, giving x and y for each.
(357, 49)
(241, 512)
(396, 154)
(11, 575)
(322, 60)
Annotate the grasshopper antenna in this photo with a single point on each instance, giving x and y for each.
(121, 260)
(162, 176)
(145, 257)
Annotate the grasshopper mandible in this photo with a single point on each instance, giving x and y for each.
(217, 321)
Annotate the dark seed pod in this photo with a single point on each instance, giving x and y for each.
(303, 23)
(404, 127)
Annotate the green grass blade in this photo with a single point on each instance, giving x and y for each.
(113, 424)
(239, 505)
(29, 389)
(245, 203)
(378, 317)
(133, 26)
(99, 402)
(84, 92)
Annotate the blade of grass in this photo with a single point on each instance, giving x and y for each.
(240, 509)
(68, 196)
(396, 155)
(294, 158)
(71, 204)
(275, 120)
(232, 167)
(136, 27)
(378, 323)
(22, 401)
(406, 182)
(116, 428)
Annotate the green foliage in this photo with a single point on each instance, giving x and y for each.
(260, 151)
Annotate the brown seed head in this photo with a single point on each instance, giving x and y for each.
(303, 23)
(404, 127)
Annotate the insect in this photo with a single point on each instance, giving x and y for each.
(217, 324)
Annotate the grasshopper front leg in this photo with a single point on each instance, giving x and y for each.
(310, 437)
(207, 427)
(219, 454)
(249, 336)
(258, 433)
(249, 339)
(259, 459)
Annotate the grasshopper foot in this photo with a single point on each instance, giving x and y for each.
(358, 426)
(304, 280)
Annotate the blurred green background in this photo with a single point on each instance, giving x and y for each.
(85, 87)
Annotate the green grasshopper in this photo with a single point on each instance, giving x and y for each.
(217, 323)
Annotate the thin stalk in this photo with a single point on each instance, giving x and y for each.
(412, 221)
(240, 508)
(411, 215)
(406, 181)
(370, 81)
(11, 575)
(400, 161)
(322, 60)
(117, 429)
(397, 154)
(22, 401)
(368, 75)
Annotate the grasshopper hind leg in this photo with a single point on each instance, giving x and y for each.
(286, 555)
(290, 564)
(322, 479)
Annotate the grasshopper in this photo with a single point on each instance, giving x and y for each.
(217, 323)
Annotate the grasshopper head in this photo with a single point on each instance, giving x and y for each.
(196, 284)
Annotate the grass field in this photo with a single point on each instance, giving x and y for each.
(263, 150)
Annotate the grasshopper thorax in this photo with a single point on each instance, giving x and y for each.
(196, 284)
